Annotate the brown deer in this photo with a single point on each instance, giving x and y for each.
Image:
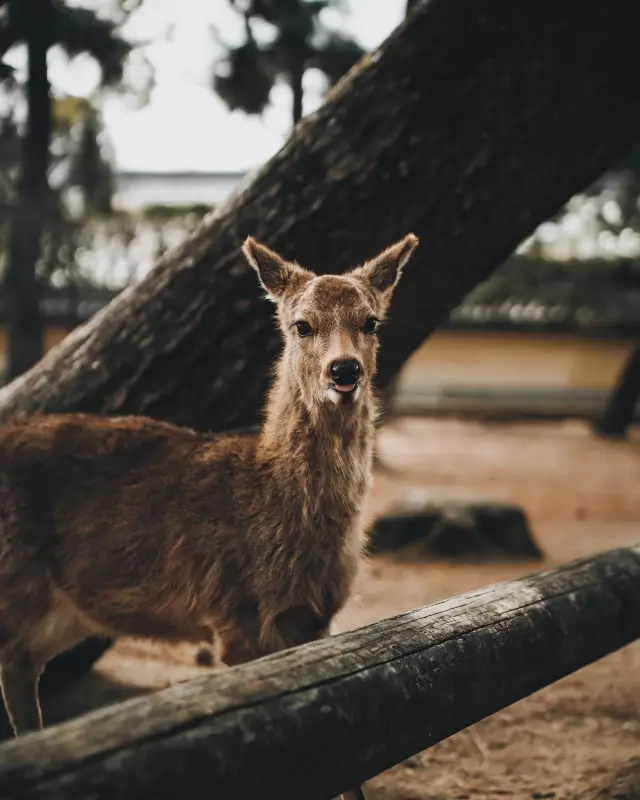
(131, 526)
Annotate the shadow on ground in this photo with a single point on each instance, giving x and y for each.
(88, 693)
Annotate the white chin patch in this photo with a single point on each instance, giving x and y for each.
(336, 397)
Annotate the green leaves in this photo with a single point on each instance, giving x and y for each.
(245, 76)
(76, 30)
(246, 79)
(81, 170)
(80, 30)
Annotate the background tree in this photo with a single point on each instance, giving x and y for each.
(22, 311)
(619, 412)
(41, 25)
(299, 42)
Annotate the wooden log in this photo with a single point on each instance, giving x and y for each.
(308, 722)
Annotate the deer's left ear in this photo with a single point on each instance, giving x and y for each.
(383, 272)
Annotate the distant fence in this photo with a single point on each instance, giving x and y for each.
(502, 402)
(314, 720)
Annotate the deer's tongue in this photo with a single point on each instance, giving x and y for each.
(346, 388)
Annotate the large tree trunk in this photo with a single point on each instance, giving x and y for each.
(619, 413)
(24, 342)
(473, 123)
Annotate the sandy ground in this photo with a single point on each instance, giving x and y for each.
(579, 738)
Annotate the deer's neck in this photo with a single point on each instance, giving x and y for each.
(318, 468)
(321, 458)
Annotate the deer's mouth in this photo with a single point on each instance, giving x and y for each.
(345, 388)
(343, 393)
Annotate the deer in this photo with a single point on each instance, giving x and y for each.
(132, 526)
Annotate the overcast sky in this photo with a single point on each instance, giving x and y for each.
(185, 126)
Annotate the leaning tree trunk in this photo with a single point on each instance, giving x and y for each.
(472, 123)
(21, 301)
(619, 413)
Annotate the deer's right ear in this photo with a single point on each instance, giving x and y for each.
(276, 274)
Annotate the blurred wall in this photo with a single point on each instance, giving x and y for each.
(521, 371)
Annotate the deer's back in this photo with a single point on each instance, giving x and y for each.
(124, 511)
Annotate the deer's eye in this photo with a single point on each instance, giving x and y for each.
(303, 328)
(371, 325)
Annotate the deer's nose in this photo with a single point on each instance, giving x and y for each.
(345, 372)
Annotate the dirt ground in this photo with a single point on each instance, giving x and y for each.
(578, 739)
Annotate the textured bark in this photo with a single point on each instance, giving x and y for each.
(22, 307)
(313, 720)
(473, 123)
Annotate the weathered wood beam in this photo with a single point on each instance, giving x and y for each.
(313, 720)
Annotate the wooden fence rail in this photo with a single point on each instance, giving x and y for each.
(314, 720)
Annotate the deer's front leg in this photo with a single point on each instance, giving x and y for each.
(354, 794)
(298, 626)
(248, 640)
(295, 626)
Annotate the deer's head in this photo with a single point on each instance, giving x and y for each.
(330, 322)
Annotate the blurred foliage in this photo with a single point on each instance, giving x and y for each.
(580, 267)
(120, 248)
(296, 40)
(82, 183)
(77, 30)
(530, 291)
(601, 222)
(81, 174)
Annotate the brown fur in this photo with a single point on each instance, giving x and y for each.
(130, 526)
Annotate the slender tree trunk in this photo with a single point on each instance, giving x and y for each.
(620, 411)
(470, 126)
(298, 94)
(22, 308)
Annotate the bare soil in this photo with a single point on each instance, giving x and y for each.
(576, 740)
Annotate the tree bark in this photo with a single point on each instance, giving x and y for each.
(319, 718)
(472, 124)
(620, 411)
(22, 304)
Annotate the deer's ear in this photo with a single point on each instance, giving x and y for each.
(276, 275)
(383, 272)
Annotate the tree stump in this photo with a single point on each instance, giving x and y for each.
(454, 527)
